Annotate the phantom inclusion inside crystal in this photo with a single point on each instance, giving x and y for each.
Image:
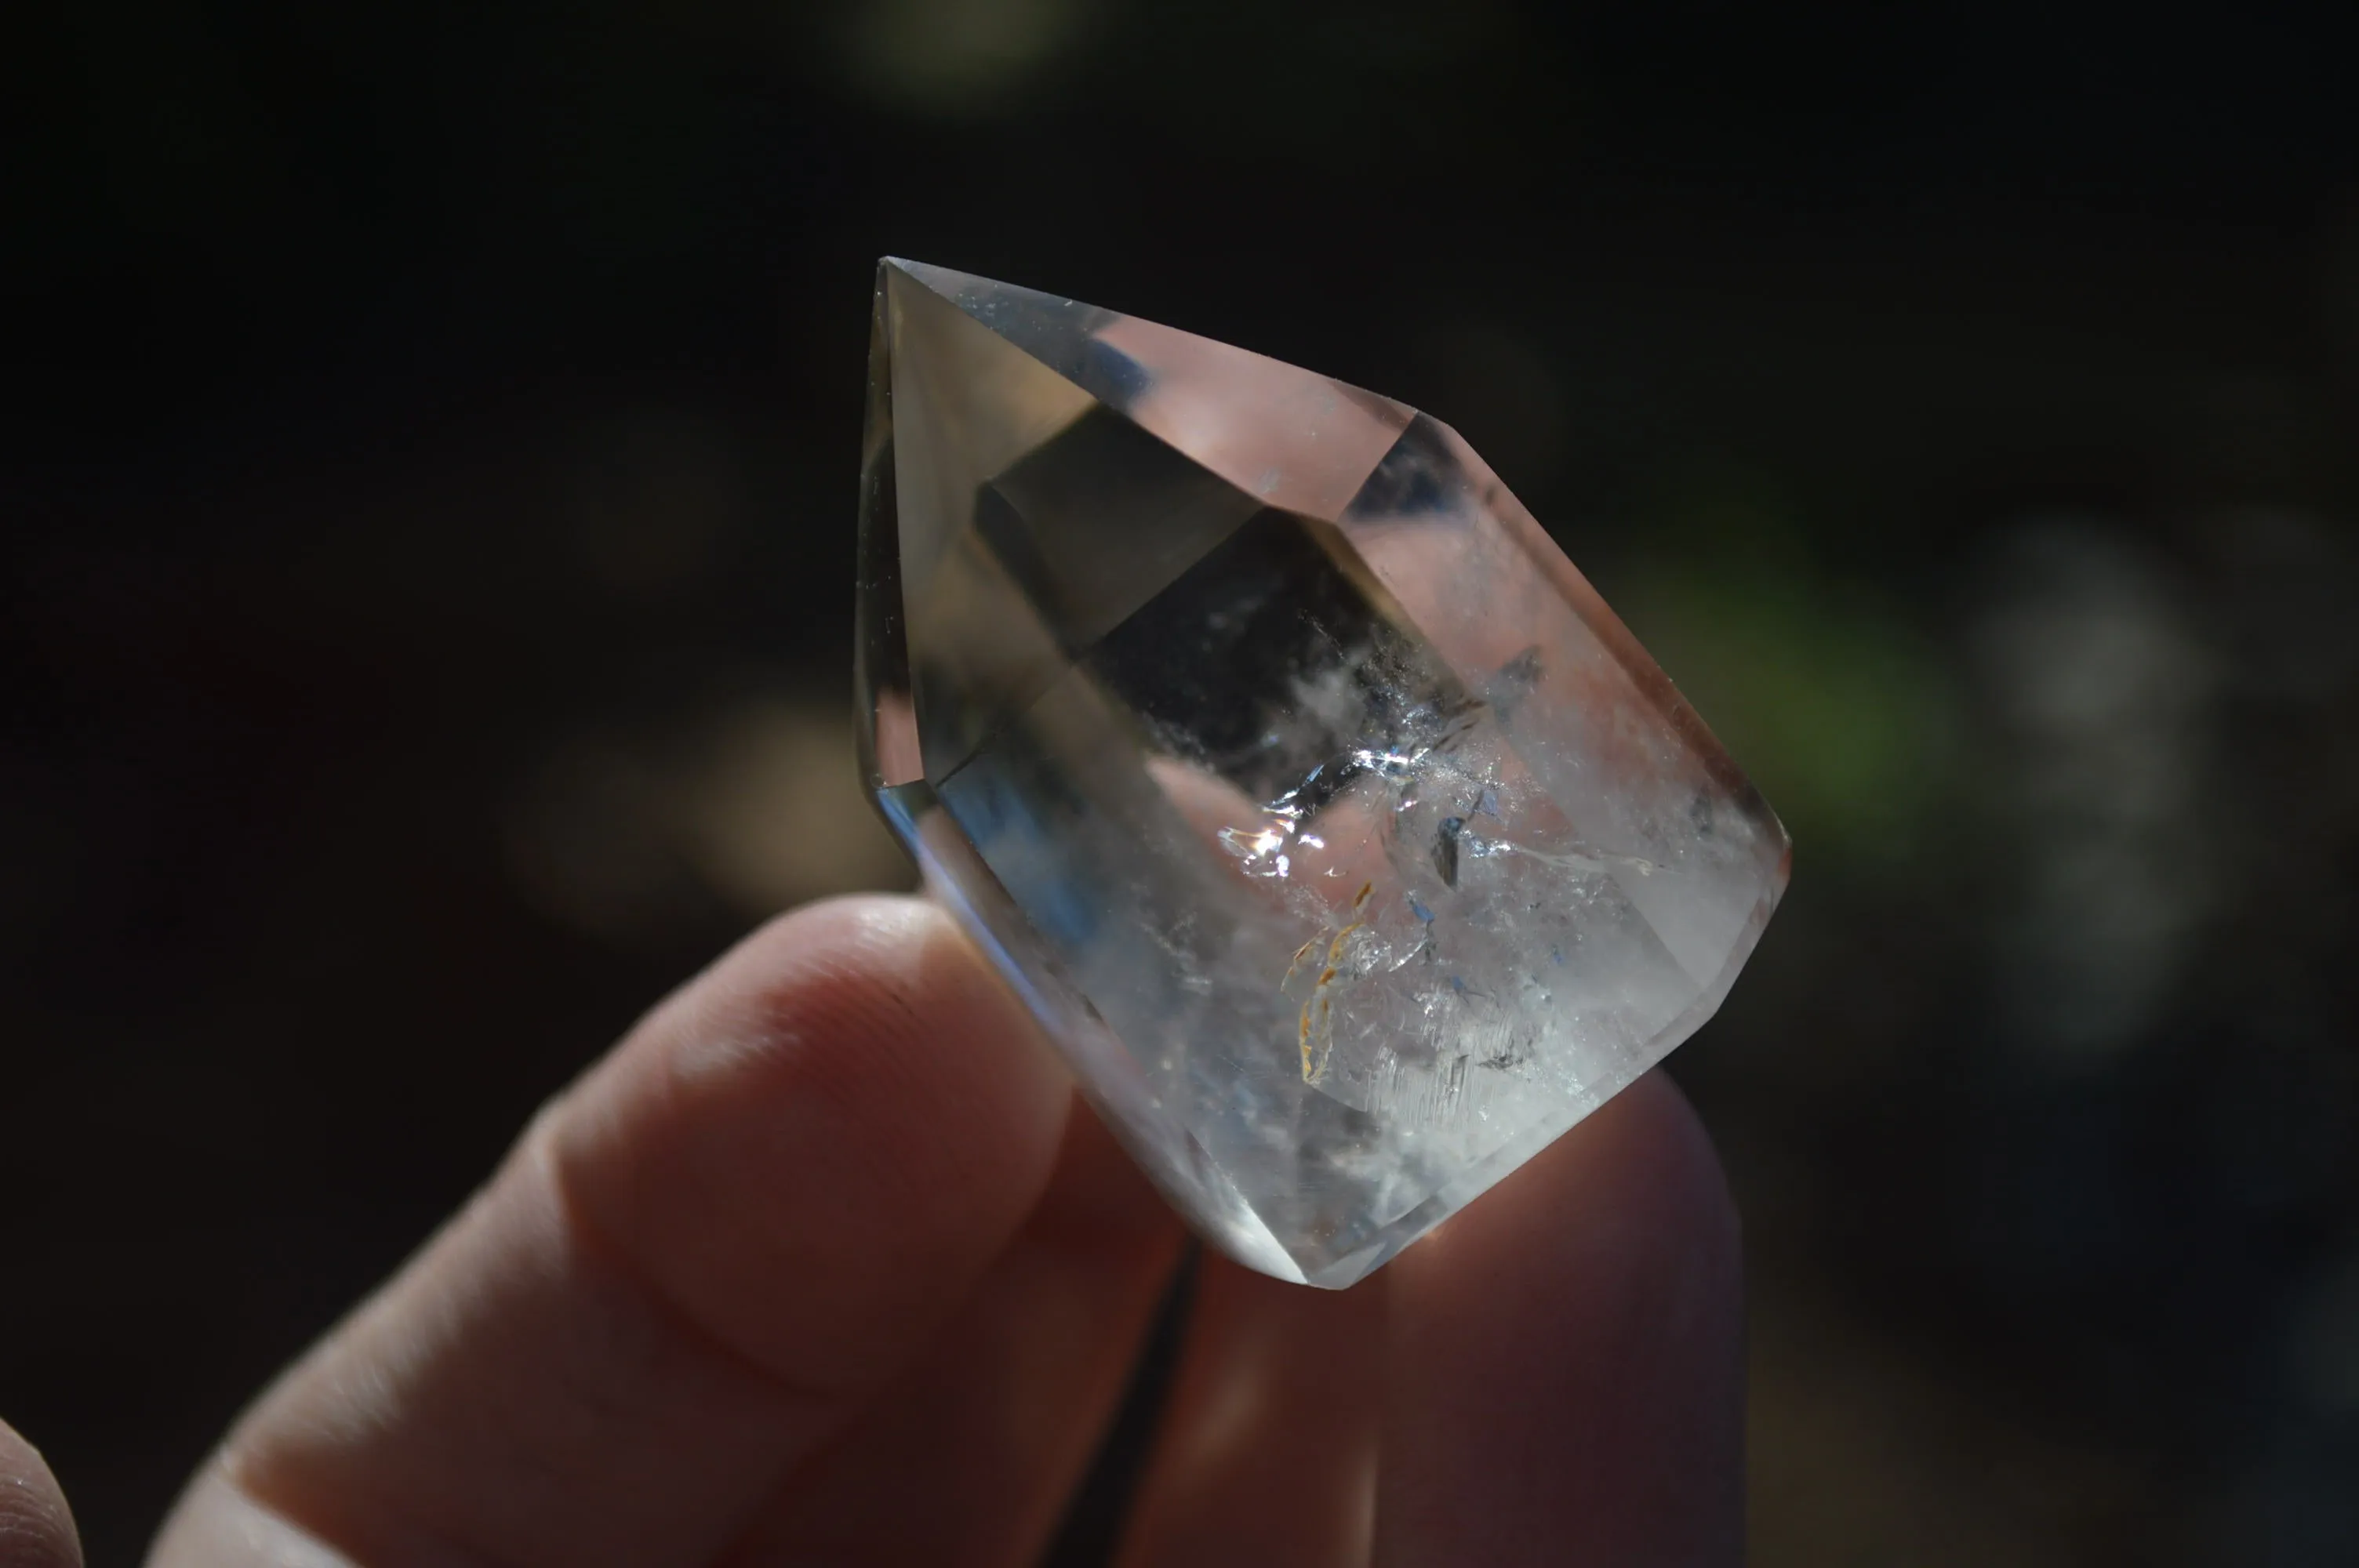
(1344, 840)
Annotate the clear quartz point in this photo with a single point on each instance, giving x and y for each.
(1344, 841)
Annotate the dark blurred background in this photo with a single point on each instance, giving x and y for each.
(429, 485)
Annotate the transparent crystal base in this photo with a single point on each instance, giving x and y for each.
(1346, 844)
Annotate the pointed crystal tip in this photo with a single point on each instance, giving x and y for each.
(1340, 837)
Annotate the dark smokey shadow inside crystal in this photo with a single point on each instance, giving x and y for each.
(1060, 547)
(1277, 664)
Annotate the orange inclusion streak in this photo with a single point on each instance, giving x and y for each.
(1320, 998)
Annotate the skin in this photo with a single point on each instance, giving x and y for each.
(36, 1530)
(825, 1264)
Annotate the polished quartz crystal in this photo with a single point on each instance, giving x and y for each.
(1345, 843)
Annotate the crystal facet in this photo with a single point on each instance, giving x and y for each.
(1342, 838)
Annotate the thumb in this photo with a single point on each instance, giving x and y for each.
(35, 1528)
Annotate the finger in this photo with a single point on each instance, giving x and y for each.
(36, 1529)
(1268, 1452)
(1565, 1380)
(993, 1428)
(695, 1268)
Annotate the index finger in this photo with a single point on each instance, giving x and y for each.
(691, 1272)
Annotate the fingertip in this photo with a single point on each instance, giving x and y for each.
(36, 1528)
(841, 960)
(848, 1104)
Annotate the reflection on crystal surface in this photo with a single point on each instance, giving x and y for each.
(1345, 842)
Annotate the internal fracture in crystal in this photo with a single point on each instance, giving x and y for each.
(1344, 840)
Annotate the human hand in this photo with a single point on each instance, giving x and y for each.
(826, 1264)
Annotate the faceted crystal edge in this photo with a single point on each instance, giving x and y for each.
(1162, 379)
(880, 672)
(1165, 1149)
(1548, 558)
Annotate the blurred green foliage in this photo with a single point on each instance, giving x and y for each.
(1841, 711)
